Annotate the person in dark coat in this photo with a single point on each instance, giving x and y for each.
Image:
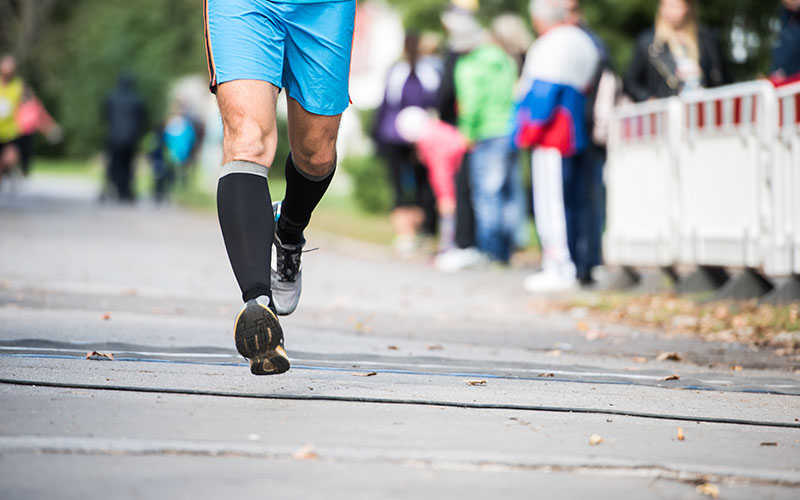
(677, 55)
(124, 113)
(786, 55)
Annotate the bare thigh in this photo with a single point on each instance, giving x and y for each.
(313, 139)
(248, 118)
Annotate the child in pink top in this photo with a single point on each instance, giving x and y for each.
(441, 148)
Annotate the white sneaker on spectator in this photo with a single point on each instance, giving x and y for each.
(456, 259)
(549, 281)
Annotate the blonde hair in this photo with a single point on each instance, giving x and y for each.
(686, 36)
(511, 32)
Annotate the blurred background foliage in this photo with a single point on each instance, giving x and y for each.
(749, 23)
(72, 51)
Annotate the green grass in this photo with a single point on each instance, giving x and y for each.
(67, 168)
(337, 212)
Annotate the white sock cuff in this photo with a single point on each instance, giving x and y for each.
(243, 167)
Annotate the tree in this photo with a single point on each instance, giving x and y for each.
(73, 52)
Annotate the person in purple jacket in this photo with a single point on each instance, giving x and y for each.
(410, 82)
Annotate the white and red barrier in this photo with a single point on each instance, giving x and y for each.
(641, 174)
(725, 152)
(719, 185)
(783, 257)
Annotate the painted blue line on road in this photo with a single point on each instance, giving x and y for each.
(422, 373)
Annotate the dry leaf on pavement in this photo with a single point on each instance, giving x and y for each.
(434, 347)
(708, 489)
(595, 439)
(680, 434)
(639, 359)
(475, 382)
(392, 347)
(595, 334)
(547, 375)
(769, 443)
(669, 356)
(736, 368)
(305, 452)
(106, 316)
(99, 356)
(674, 376)
(364, 374)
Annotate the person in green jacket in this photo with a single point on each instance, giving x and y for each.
(484, 81)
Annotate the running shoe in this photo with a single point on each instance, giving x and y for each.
(287, 271)
(259, 338)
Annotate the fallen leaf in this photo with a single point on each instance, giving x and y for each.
(392, 347)
(671, 377)
(708, 489)
(582, 326)
(554, 353)
(305, 452)
(595, 439)
(639, 359)
(680, 434)
(364, 374)
(595, 334)
(669, 356)
(547, 375)
(475, 382)
(434, 347)
(106, 316)
(736, 368)
(769, 443)
(99, 356)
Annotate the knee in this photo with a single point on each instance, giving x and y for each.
(317, 162)
(250, 140)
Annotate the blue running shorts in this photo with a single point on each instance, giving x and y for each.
(302, 46)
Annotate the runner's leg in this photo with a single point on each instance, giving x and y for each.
(243, 199)
(309, 168)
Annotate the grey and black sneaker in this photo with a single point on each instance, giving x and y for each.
(287, 271)
(259, 338)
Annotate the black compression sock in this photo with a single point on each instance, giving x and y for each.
(303, 193)
(245, 217)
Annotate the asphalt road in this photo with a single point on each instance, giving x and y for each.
(406, 383)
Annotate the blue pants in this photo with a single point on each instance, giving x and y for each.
(491, 168)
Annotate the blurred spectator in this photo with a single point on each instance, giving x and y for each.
(411, 82)
(463, 33)
(180, 139)
(512, 33)
(484, 82)
(125, 116)
(441, 148)
(600, 103)
(32, 117)
(11, 91)
(786, 55)
(162, 173)
(559, 70)
(678, 55)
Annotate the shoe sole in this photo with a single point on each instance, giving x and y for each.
(259, 338)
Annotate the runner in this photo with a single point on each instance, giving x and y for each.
(255, 48)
